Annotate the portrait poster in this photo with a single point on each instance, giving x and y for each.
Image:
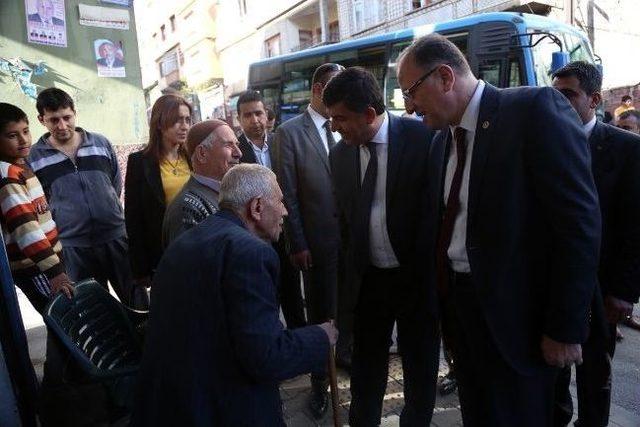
(46, 22)
(109, 57)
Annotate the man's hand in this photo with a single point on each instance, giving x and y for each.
(616, 309)
(560, 354)
(331, 331)
(61, 283)
(143, 281)
(301, 260)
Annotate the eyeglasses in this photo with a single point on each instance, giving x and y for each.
(408, 94)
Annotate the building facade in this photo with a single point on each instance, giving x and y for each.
(612, 25)
(178, 52)
(250, 30)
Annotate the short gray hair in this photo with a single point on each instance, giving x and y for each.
(243, 183)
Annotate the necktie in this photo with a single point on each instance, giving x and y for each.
(367, 190)
(450, 213)
(330, 140)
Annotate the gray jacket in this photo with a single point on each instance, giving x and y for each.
(84, 196)
(304, 175)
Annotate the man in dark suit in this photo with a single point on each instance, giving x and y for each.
(215, 349)
(302, 147)
(378, 171)
(615, 157)
(44, 14)
(511, 233)
(256, 145)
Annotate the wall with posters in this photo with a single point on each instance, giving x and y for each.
(85, 47)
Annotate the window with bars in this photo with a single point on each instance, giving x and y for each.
(272, 46)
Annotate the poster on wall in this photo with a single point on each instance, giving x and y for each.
(105, 17)
(46, 22)
(120, 2)
(109, 58)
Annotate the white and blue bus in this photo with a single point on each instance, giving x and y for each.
(505, 49)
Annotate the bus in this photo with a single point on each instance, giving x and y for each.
(504, 48)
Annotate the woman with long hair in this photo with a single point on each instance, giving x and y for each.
(154, 176)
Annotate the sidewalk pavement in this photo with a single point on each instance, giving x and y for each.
(295, 392)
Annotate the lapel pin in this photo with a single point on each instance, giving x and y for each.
(485, 124)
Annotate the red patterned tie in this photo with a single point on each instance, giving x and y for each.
(450, 213)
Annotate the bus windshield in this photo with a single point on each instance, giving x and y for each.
(577, 47)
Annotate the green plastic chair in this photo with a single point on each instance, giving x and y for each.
(103, 336)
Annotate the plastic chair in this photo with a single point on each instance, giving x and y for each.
(102, 335)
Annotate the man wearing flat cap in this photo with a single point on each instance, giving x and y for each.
(213, 149)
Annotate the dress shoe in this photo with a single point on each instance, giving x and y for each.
(447, 384)
(343, 361)
(633, 322)
(318, 403)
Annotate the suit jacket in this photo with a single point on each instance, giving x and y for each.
(409, 142)
(249, 156)
(144, 202)
(305, 177)
(215, 349)
(533, 225)
(616, 171)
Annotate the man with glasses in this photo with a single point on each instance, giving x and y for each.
(511, 234)
(378, 171)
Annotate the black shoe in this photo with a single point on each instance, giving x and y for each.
(447, 385)
(343, 361)
(318, 403)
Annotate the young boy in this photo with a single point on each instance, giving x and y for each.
(29, 232)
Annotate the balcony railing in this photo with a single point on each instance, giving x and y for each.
(315, 42)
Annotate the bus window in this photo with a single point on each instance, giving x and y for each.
(489, 71)
(542, 54)
(372, 59)
(578, 49)
(514, 73)
(296, 85)
(393, 94)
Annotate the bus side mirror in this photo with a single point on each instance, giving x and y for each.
(559, 60)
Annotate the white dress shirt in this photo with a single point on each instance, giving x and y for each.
(262, 154)
(319, 120)
(457, 251)
(588, 127)
(382, 254)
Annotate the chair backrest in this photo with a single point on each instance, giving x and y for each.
(95, 328)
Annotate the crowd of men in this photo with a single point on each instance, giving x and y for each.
(503, 221)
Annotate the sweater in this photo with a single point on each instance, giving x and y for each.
(29, 232)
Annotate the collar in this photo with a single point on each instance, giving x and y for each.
(231, 216)
(257, 149)
(84, 140)
(588, 127)
(382, 136)
(213, 184)
(469, 119)
(318, 119)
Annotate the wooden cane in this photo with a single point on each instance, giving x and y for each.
(333, 385)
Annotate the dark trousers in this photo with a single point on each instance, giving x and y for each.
(320, 290)
(290, 291)
(108, 262)
(491, 392)
(388, 296)
(593, 381)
